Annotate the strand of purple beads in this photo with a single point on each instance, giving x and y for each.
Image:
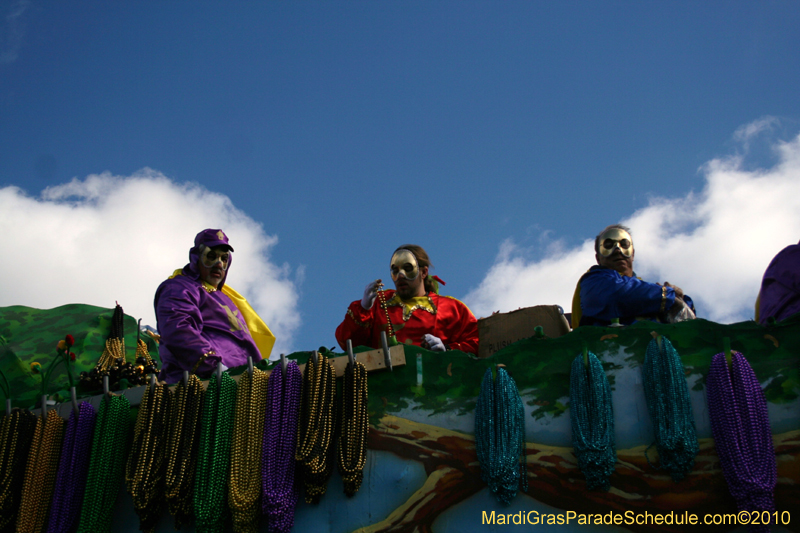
(73, 468)
(742, 434)
(280, 440)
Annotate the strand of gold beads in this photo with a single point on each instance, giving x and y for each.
(16, 433)
(114, 349)
(244, 486)
(382, 298)
(40, 473)
(144, 472)
(184, 436)
(353, 427)
(316, 426)
(141, 351)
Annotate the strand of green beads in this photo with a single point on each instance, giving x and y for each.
(109, 449)
(215, 442)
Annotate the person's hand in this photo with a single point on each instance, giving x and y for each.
(433, 343)
(370, 293)
(678, 290)
(679, 312)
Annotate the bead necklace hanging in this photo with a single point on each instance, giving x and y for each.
(40, 473)
(145, 468)
(316, 427)
(210, 484)
(353, 427)
(16, 434)
(500, 435)
(389, 327)
(72, 470)
(742, 434)
(145, 365)
(244, 486)
(670, 408)
(113, 355)
(592, 420)
(184, 436)
(280, 492)
(106, 464)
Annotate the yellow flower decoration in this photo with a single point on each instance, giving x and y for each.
(62, 345)
(36, 368)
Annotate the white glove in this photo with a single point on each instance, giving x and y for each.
(370, 293)
(434, 343)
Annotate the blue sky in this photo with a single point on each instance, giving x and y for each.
(498, 135)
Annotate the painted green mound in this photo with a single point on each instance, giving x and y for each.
(29, 335)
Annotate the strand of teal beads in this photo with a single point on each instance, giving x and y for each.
(592, 420)
(484, 428)
(106, 464)
(214, 454)
(670, 408)
(500, 436)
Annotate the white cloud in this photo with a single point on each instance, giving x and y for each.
(112, 238)
(715, 245)
(13, 31)
(743, 134)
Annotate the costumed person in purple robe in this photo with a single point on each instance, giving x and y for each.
(202, 321)
(611, 290)
(779, 296)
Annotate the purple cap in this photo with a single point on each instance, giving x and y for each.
(212, 238)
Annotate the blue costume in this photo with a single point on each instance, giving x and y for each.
(779, 297)
(604, 294)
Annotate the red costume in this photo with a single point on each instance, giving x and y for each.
(442, 316)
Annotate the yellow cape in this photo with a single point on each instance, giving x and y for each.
(260, 332)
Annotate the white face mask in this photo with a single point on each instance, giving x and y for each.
(613, 239)
(404, 263)
(210, 257)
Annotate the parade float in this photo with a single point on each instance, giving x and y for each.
(431, 462)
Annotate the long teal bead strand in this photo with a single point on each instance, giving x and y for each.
(592, 420)
(500, 436)
(670, 408)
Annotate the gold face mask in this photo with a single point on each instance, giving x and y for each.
(613, 239)
(210, 257)
(404, 263)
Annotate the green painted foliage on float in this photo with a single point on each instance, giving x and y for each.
(30, 335)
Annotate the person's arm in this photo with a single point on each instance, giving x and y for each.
(606, 295)
(180, 324)
(462, 328)
(356, 326)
